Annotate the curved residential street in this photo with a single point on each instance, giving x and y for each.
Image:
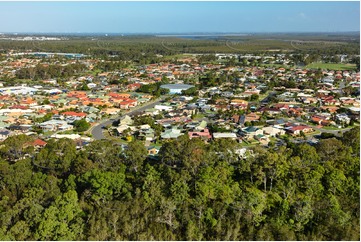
(97, 130)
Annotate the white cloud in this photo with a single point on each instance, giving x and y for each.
(302, 15)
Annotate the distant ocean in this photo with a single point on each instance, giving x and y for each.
(200, 36)
(178, 35)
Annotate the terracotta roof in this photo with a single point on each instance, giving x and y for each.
(39, 142)
(74, 114)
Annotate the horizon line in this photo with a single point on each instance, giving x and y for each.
(179, 33)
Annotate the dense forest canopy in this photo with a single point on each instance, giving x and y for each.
(194, 191)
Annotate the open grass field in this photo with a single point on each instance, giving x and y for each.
(332, 66)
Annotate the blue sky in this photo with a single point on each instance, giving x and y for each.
(178, 17)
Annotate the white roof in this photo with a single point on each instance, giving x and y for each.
(224, 135)
(163, 107)
(354, 109)
(53, 91)
(346, 98)
(121, 128)
(301, 94)
(277, 127)
(69, 136)
(16, 110)
(269, 128)
(144, 126)
(54, 122)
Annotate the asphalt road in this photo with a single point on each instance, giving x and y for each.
(267, 99)
(97, 130)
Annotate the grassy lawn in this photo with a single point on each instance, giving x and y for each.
(244, 144)
(23, 80)
(198, 116)
(263, 96)
(330, 128)
(312, 124)
(313, 133)
(332, 66)
(249, 143)
(157, 143)
(210, 112)
(48, 133)
(273, 139)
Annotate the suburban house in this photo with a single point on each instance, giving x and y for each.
(249, 132)
(270, 111)
(128, 103)
(121, 128)
(126, 120)
(153, 150)
(75, 115)
(342, 118)
(263, 139)
(239, 103)
(146, 132)
(55, 125)
(4, 134)
(205, 134)
(273, 131)
(251, 117)
(163, 107)
(320, 119)
(38, 143)
(171, 133)
(296, 129)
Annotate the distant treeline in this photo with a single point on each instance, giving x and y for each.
(134, 47)
(41, 72)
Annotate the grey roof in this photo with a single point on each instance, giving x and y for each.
(177, 86)
(250, 129)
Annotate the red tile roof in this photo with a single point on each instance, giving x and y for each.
(39, 142)
(75, 114)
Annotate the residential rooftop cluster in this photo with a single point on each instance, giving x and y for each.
(255, 100)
